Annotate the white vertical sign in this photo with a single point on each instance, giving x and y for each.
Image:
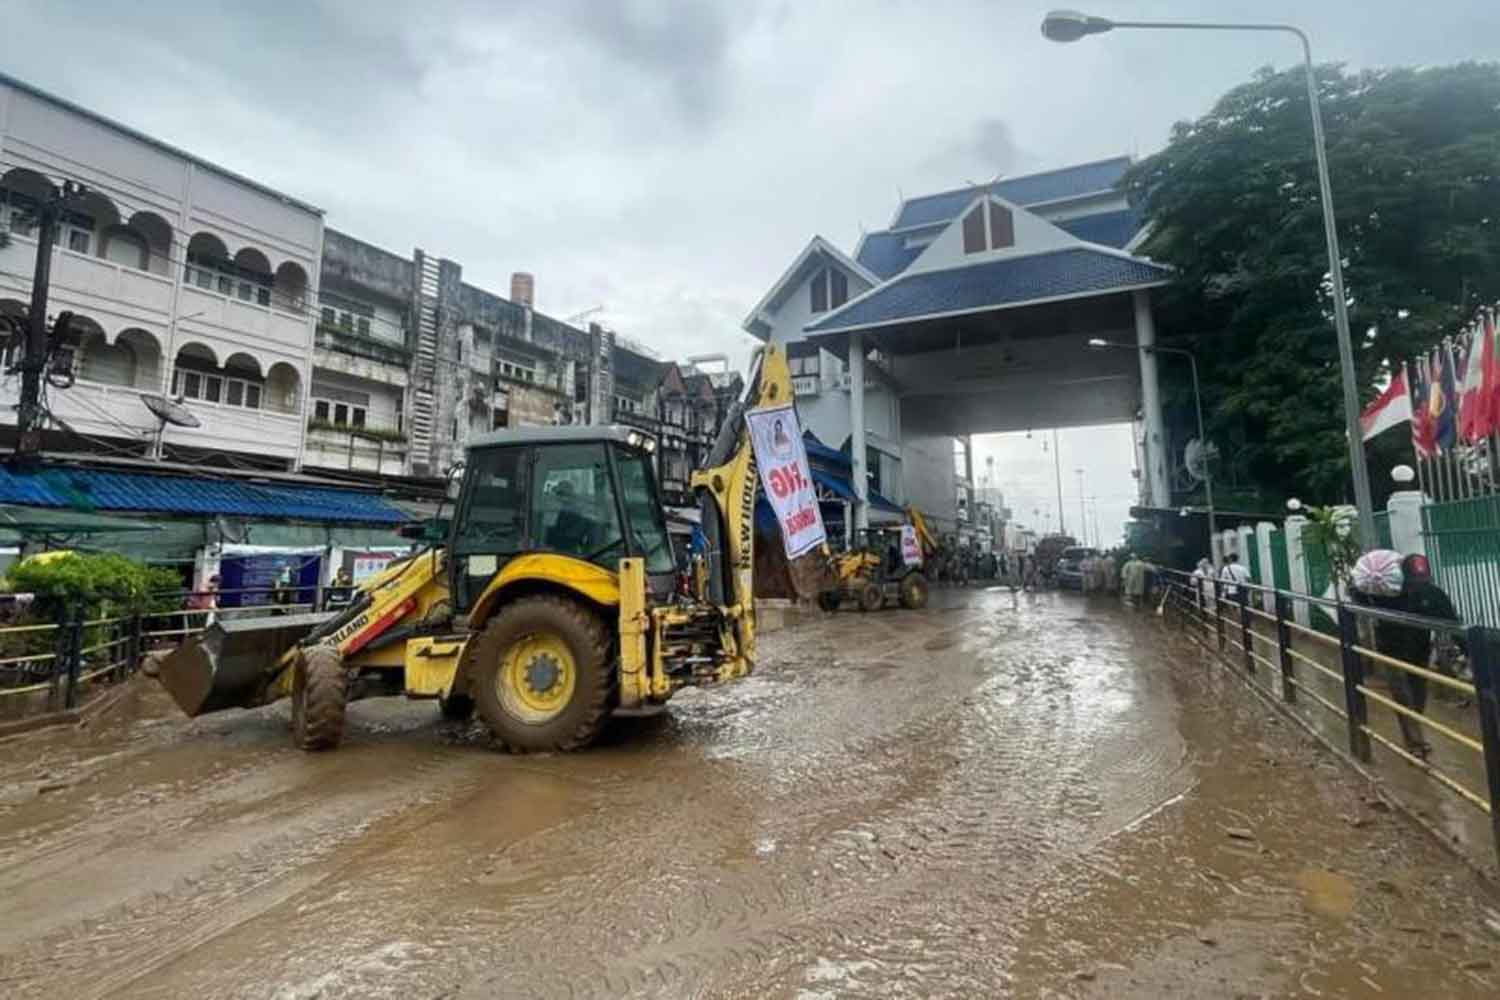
(911, 551)
(777, 439)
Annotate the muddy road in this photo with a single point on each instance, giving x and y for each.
(1027, 796)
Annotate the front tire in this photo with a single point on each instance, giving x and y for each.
(541, 675)
(914, 591)
(320, 694)
(870, 597)
(829, 600)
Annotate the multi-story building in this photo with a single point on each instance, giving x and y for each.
(928, 291)
(185, 279)
(411, 360)
(679, 404)
(298, 356)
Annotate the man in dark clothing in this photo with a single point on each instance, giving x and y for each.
(1408, 643)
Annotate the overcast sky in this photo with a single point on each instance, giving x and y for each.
(665, 159)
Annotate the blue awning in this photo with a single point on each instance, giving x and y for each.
(836, 485)
(844, 489)
(817, 451)
(208, 494)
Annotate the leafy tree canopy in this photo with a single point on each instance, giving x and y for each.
(1233, 203)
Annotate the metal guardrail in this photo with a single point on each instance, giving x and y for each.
(1223, 610)
(61, 658)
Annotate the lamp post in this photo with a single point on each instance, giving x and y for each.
(1083, 520)
(1070, 25)
(1208, 470)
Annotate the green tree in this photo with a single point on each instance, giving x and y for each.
(1234, 207)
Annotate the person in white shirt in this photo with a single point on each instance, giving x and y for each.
(1234, 573)
(1202, 582)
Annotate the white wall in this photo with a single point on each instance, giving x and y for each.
(136, 175)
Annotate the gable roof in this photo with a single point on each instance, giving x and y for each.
(997, 283)
(817, 249)
(1031, 189)
(1111, 229)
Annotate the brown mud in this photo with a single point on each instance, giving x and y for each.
(1034, 796)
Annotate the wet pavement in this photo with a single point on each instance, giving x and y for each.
(1003, 795)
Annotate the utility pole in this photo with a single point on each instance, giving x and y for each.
(34, 357)
(1057, 467)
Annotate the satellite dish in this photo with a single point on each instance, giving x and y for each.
(234, 530)
(1197, 456)
(169, 412)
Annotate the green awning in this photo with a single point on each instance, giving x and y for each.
(38, 523)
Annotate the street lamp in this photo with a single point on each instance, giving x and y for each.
(1070, 25)
(1099, 343)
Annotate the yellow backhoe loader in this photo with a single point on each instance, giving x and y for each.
(553, 601)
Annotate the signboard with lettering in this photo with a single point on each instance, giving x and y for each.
(911, 551)
(786, 478)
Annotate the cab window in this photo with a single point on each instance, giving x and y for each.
(643, 511)
(493, 519)
(573, 507)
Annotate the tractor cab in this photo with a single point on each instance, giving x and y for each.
(587, 493)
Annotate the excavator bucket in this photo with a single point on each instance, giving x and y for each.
(232, 662)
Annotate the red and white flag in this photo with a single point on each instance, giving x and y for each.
(1474, 420)
(1392, 408)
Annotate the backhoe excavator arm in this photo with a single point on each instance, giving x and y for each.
(726, 490)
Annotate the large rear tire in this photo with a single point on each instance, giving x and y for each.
(914, 591)
(320, 694)
(541, 675)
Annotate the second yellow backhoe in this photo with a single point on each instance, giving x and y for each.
(553, 600)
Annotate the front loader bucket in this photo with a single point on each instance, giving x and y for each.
(232, 662)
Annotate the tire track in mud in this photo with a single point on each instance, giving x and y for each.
(221, 870)
(886, 861)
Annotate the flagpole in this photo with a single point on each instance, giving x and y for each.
(1412, 404)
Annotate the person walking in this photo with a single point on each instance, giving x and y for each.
(1410, 590)
(1203, 582)
(1234, 574)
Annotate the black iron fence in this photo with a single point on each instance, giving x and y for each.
(49, 666)
(1334, 672)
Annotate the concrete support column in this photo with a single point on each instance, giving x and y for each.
(1156, 434)
(1405, 507)
(857, 430)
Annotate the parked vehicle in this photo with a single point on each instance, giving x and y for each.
(1070, 566)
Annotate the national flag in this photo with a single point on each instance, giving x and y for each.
(1422, 437)
(1491, 389)
(1391, 408)
(1447, 414)
(1473, 410)
(1439, 396)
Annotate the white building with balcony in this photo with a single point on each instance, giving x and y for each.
(188, 281)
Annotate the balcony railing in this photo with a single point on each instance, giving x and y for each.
(340, 338)
(388, 435)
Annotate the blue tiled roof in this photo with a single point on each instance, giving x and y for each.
(1112, 229)
(1034, 189)
(886, 254)
(995, 283)
(97, 489)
